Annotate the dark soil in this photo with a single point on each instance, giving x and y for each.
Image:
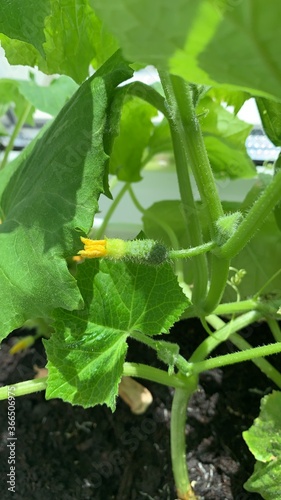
(66, 452)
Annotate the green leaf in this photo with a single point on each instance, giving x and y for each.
(58, 37)
(70, 38)
(234, 98)
(232, 49)
(87, 351)
(11, 96)
(224, 137)
(126, 160)
(49, 198)
(148, 32)
(270, 113)
(211, 43)
(48, 99)
(264, 441)
(24, 21)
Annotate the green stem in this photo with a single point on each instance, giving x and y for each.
(154, 374)
(197, 153)
(221, 335)
(237, 357)
(21, 121)
(241, 343)
(23, 388)
(178, 135)
(254, 219)
(275, 329)
(148, 94)
(244, 306)
(191, 252)
(197, 157)
(178, 453)
(237, 307)
(100, 231)
(219, 275)
(261, 363)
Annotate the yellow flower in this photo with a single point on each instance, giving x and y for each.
(93, 248)
(113, 248)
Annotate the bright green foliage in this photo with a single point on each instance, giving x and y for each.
(264, 441)
(199, 41)
(24, 21)
(70, 38)
(12, 97)
(19, 94)
(87, 351)
(49, 199)
(58, 37)
(238, 48)
(224, 137)
(234, 98)
(148, 32)
(48, 99)
(126, 160)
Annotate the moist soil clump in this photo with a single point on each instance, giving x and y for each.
(70, 453)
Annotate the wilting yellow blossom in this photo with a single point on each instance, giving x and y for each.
(22, 344)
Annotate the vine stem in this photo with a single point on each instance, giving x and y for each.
(178, 453)
(200, 269)
(21, 121)
(23, 388)
(237, 357)
(221, 335)
(191, 252)
(242, 344)
(153, 374)
(275, 329)
(187, 137)
(196, 151)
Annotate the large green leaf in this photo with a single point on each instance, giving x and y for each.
(148, 32)
(87, 351)
(264, 441)
(49, 99)
(21, 94)
(213, 43)
(70, 38)
(12, 97)
(58, 37)
(24, 21)
(50, 198)
(134, 133)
